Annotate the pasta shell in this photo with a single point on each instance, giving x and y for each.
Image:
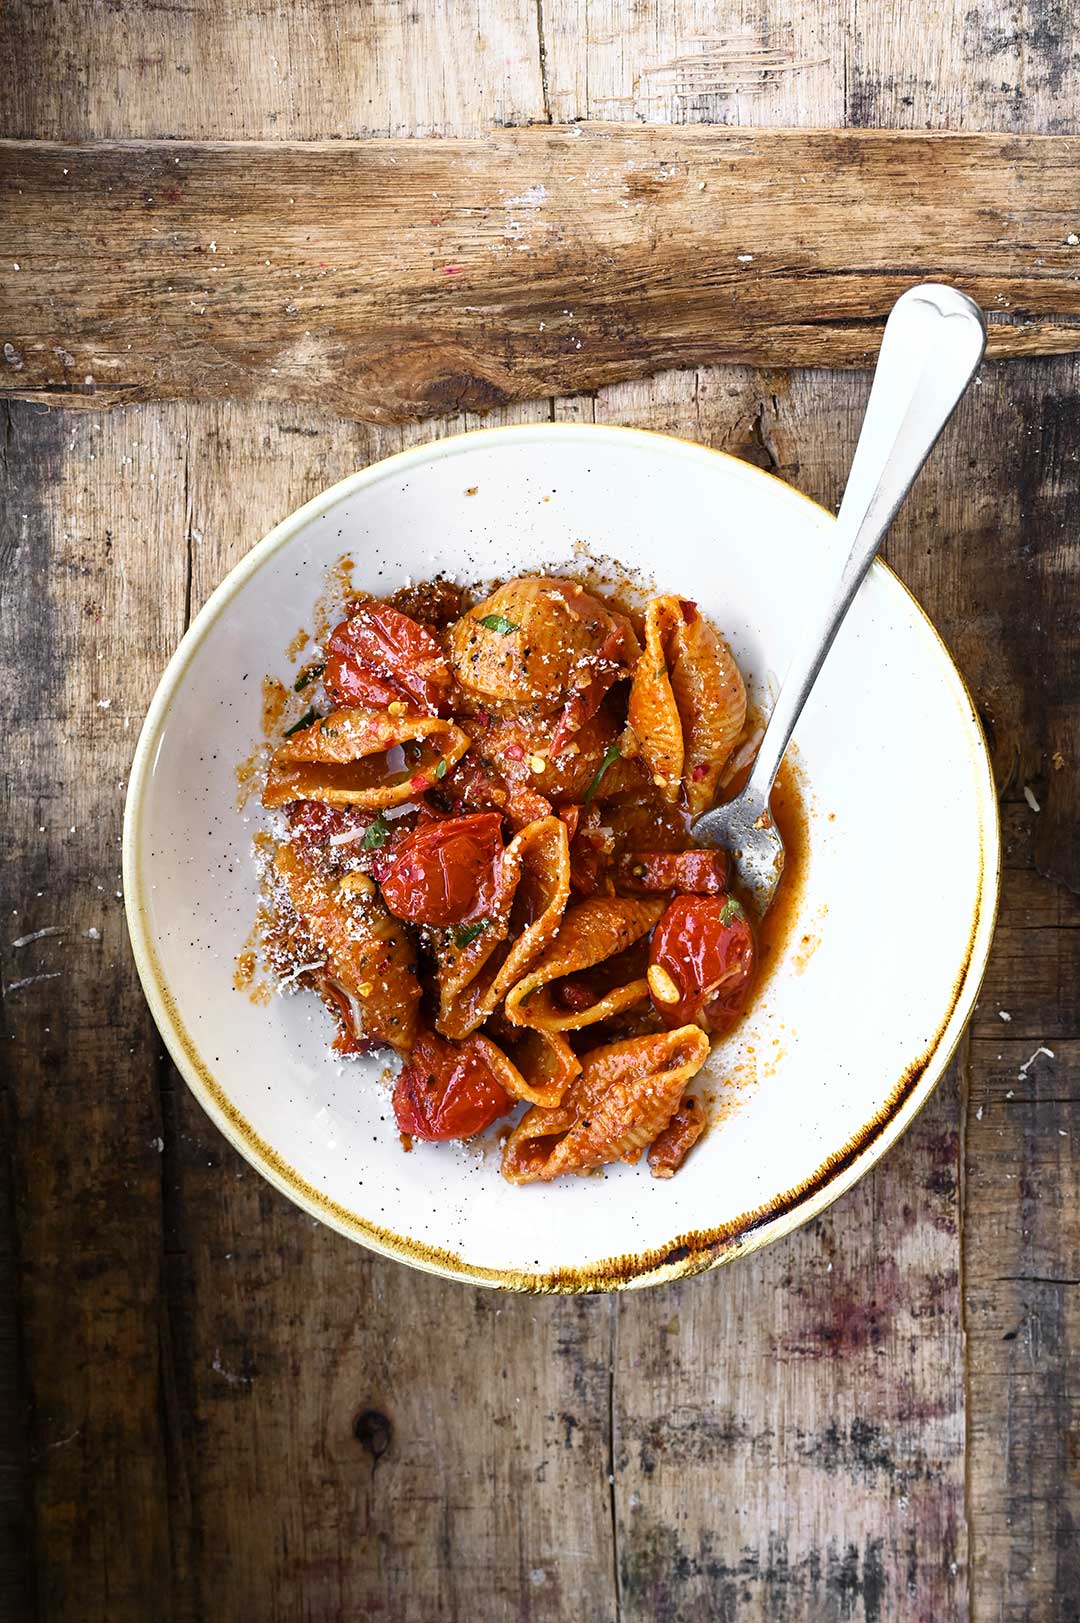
(368, 952)
(669, 1150)
(625, 1097)
(592, 932)
(528, 642)
(687, 702)
(534, 884)
(344, 759)
(537, 1067)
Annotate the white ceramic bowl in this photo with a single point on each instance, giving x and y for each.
(848, 1039)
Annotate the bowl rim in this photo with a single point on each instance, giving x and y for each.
(686, 1254)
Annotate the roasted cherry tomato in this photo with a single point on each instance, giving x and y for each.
(447, 1090)
(701, 962)
(445, 872)
(693, 873)
(378, 655)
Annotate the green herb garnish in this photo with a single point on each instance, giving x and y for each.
(466, 933)
(309, 674)
(377, 835)
(614, 754)
(499, 623)
(440, 770)
(731, 910)
(305, 721)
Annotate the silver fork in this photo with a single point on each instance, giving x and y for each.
(932, 345)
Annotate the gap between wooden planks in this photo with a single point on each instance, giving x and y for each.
(396, 280)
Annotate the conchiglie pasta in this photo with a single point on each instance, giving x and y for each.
(347, 758)
(687, 702)
(531, 643)
(366, 952)
(625, 1097)
(505, 888)
(593, 932)
(534, 1066)
(532, 892)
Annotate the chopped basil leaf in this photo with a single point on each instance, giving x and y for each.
(305, 721)
(499, 623)
(440, 770)
(614, 754)
(469, 932)
(377, 835)
(309, 674)
(731, 910)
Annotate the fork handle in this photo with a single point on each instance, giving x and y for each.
(932, 345)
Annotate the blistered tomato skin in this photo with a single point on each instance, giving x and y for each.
(447, 1090)
(704, 948)
(378, 656)
(445, 872)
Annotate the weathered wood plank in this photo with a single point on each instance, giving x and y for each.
(296, 72)
(778, 62)
(899, 64)
(791, 1443)
(396, 280)
(16, 1577)
(293, 71)
(1022, 1251)
(81, 588)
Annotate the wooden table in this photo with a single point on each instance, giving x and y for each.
(214, 1408)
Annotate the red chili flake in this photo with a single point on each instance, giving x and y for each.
(514, 752)
(699, 771)
(420, 783)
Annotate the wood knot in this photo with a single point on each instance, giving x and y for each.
(374, 1432)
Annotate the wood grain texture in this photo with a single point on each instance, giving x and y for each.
(958, 65)
(1022, 1248)
(292, 71)
(791, 1443)
(408, 279)
(218, 1472)
(81, 1102)
(295, 71)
